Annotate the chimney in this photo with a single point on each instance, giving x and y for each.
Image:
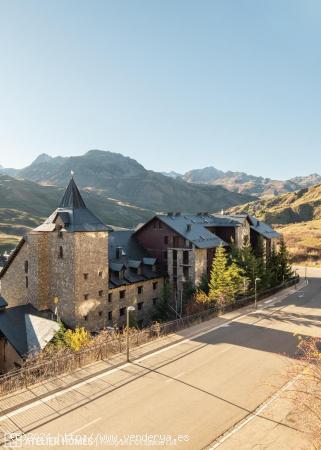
(119, 252)
(189, 227)
(178, 214)
(170, 214)
(222, 212)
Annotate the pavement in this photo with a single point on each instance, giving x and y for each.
(219, 384)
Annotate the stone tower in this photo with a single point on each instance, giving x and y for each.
(63, 265)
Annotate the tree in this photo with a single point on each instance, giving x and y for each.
(284, 270)
(77, 339)
(162, 311)
(225, 280)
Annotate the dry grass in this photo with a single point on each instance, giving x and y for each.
(303, 241)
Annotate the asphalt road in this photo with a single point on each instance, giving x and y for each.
(195, 394)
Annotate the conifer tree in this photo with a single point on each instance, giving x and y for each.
(284, 269)
(162, 312)
(225, 281)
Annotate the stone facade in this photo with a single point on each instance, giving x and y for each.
(9, 358)
(144, 300)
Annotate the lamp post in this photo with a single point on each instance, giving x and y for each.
(255, 291)
(129, 309)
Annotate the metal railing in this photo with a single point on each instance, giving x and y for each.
(50, 367)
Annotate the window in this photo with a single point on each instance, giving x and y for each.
(122, 294)
(160, 225)
(140, 289)
(26, 266)
(110, 298)
(110, 315)
(27, 282)
(176, 241)
(86, 296)
(185, 257)
(155, 284)
(140, 306)
(61, 252)
(174, 255)
(100, 313)
(100, 274)
(165, 255)
(60, 234)
(155, 301)
(122, 311)
(100, 293)
(85, 276)
(166, 240)
(85, 317)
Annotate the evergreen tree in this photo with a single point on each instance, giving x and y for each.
(272, 266)
(225, 281)
(162, 312)
(284, 270)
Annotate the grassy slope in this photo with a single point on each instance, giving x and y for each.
(304, 241)
(24, 205)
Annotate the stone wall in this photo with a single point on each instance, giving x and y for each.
(9, 358)
(14, 282)
(132, 298)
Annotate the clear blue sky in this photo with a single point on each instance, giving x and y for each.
(175, 84)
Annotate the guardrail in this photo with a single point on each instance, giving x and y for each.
(52, 367)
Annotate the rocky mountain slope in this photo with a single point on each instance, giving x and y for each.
(247, 184)
(293, 207)
(124, 179)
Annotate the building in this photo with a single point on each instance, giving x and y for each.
(185, 244)
(80, 270)
(75, 268)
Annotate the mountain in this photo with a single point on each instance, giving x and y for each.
(122, 178)
(24, 204)
(300, 206)
(8, 171)
(249, 184)
(172, 174)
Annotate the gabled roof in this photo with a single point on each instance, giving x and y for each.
(193, 228)
(74, 214)
(26, 328)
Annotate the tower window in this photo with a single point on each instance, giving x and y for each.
(140, 306)
(27, 282)
(100, 293)
(26, 266)
(86, 296)
(122, 311)
(110, 297)
(85, 276)
(140, 289)
(61, 252)
(122, 294)
(100, 274)
(110, 315)
(100, 313)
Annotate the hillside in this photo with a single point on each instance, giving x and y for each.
(299, 206)
(124, 179)
(247, 184)
(24, 204)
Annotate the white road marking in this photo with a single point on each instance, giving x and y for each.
(117, 369)
(271, 300)
(256, 413)
(86, 426)
(225, 325)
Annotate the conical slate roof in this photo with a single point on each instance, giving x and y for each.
(72, 197)
(73, 213)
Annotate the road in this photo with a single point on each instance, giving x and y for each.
(205, 392)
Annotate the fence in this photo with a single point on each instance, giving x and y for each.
(48, 368)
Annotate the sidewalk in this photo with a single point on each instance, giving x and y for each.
(36, 392)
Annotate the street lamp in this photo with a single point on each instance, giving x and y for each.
(129, 309)
(255, 291)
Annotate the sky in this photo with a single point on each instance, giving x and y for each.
(174, 84)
